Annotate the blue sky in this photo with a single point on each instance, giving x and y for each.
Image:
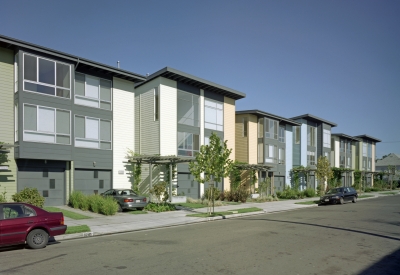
(338, 60)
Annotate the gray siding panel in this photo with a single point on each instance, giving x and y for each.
(150, 129)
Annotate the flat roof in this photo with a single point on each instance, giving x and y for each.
(89, 64)
(265, 114)
(314, 118)
(198, 82)
(368, 137)
(346, 136)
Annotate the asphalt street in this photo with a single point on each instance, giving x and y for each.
(361, 238)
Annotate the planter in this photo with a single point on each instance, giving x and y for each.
(254, 196)
(178, 199)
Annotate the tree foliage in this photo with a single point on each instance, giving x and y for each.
(212, 163)
(324, 171)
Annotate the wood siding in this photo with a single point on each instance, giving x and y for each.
(229, 131)
(7, 178)
(241, 143)
(123, 130)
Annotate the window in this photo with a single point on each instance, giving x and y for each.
(281, 156)
(156, 104)
(92, 133)
(326, 154)
(342, 159)
(271, 130)
(260, 127)
(12, 211)
(206, 140)
(188, 109)
(16, 122)
(44, 124)
(281, 134)
(327, 138)
(348, 163)
(310, 158)
(348, 147)
(260, 152)
(364, 164)
(369, 164)
(311, 136)
(342, 146)
(16, 73)
(46, 76)
(297, 134)
(365, 149)
(92, 91)
(245, 126)
(213, 115)
(188, 144)
(270, 153)
(369, 150)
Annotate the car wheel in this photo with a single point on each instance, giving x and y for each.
(37, 238)
(354, 199)
(119, 208)
(341, 200)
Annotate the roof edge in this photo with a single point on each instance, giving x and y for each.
(315, 118)
(262, 113)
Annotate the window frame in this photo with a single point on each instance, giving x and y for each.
(99, 133)
(212, 123)
(99, 100)
(282, 137)
(45, 84)
(42, 132)
(193, 151)
(194, 97)
(326, 138)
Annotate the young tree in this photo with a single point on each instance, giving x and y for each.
(212, 163)
(324, 172)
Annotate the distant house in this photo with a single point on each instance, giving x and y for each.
(391, 159)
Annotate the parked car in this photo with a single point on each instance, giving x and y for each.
(22, 223)
(339, 195)
(127, 199)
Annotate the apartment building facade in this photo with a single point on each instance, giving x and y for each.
(311, 140)
(365, 156)
(175, 114)
(264, 138)
(62, 112)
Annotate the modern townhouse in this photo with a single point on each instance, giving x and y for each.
(365, 156)
(176, 113)
(311, 140)
(69, 118)
(343, 155)
(264, 138)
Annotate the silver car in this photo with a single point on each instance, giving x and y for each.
(127, 199)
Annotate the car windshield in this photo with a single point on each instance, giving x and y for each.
(126, 192)
(334, 191)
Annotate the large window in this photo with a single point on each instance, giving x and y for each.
(271, 130)
(260, 127)
(92, 132)
(44, 124)
(281, 156)
(348, 163)
(311, 136)
(188, 109)
(92, 91)
(342, 145)
(281, 134)
(188, 144)
(348, 147)
(297, 134)
(270, 153)
(327, 138)
(46, 76)
(310, 158)
(369, 150)
(213, 115)
(365, 151)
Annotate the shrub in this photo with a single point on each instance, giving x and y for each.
(216, 193)
(3, 198)
(160, 207)
(78, 200)
(95, 203)
(29, 195)
(160, 190)
(222, 196)
(108, 206)
(241, 194)
(309, 192)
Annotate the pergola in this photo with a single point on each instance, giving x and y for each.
(159, 160)
(256, 167)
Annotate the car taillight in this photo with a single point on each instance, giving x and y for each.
(62, 220)
(145, 199)
(128, 200)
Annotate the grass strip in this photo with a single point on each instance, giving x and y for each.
(77, 229)
(137, 212)
(388, 193)
(225, 213)
(365, 196)
(68, 214)
(192, 205)
(307, 202)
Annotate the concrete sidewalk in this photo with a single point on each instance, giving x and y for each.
(125, 222)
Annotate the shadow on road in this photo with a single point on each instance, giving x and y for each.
(333, 227)
(52, 241)
(388, 265)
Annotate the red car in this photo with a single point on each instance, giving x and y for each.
(22, 223)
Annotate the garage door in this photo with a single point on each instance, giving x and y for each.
(50, 182)
(188, 186)
(279, 183)
(92, 181)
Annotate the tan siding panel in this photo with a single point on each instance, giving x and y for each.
(241, 148)
(229, 130)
